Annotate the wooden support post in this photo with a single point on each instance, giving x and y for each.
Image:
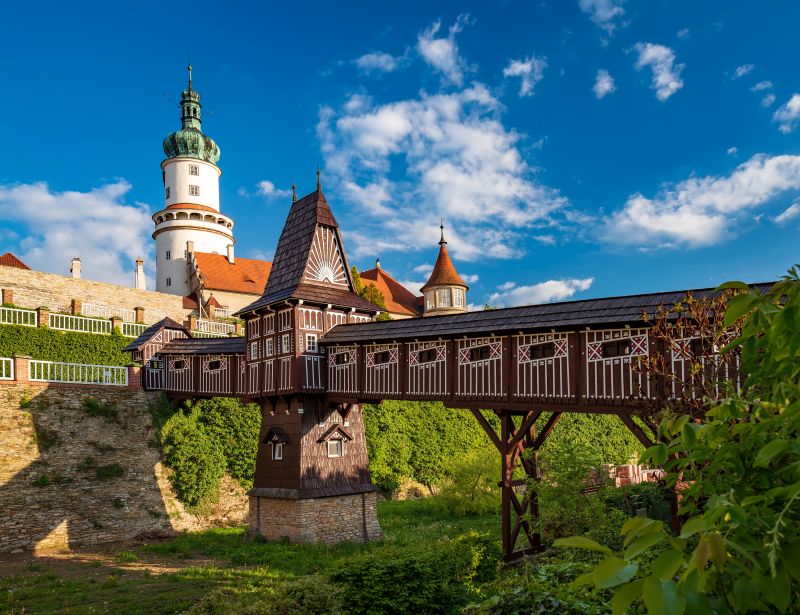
(636, 430)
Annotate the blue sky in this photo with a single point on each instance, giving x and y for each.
(576, 149)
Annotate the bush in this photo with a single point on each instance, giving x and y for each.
(234, 426)
(69, 347)
(94, 407)
(435, 579)
(472, 490)
(195, 458)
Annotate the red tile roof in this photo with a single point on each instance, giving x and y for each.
(246, 275)
(444, 272)
(398, 299)
(192, 206)
(9, 260)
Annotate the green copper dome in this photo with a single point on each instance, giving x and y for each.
(190, 141)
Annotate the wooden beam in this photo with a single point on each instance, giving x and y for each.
(548, 427)
(636, 430)
(524, 427)
(487, 428)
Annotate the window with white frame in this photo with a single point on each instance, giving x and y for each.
(444, 297)
(167, 192)
(269, 348)
(277, 451)
(458, 297)
(311, 342)
(431, 298)
(194, 190)
(286, 343)
(194, 169)
(335, 448)
(253, 351)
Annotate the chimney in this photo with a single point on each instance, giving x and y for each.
(378, 263)
(189, 249)
(230, 254)
(139, 279)
(75, 268)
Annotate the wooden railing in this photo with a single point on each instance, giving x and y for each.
(213, 326)
(6, 368)
(102, 311)
(77, 373)
(18, 316)
(67, 322)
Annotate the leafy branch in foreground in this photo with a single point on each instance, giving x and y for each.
(739, 548)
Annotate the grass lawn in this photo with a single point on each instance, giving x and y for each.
(169, 577)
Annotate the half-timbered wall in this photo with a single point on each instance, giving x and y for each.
(382, 373)
(342, 369)
(542, 366)
(480, 369)
(610, 356)
(215, 374)
(158, 341)
(427, 369)
(179, 373)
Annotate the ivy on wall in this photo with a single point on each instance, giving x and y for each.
(68, 347)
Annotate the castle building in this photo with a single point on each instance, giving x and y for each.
(444, 292)
(191, 200)
(400, 302)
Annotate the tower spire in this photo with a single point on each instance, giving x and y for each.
(441, 228)
(319, 183)
(189, 68)
(294, 193)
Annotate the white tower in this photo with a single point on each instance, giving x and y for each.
(191, 195)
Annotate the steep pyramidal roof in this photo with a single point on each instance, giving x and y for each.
(444, 272)
(310, 262)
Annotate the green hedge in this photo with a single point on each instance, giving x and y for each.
(68, 347)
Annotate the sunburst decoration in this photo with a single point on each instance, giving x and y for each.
(325, 262)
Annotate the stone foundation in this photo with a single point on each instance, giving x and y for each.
(340, 518)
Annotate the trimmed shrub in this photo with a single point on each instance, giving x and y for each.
(65, 346)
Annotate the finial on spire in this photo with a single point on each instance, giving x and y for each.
(189, 68)
(294, 193)
(319, 183)
(441, 228)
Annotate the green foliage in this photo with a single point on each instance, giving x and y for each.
(45, 438)
(107, 410)
(370, 292)
(739, 548)
(196, 459)
(472, 489)
(597, 438)
(110, 471)
(127, 557)
(68, 347)
(25, 400)
(234, 426)
(433, 578)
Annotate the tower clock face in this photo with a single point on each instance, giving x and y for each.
(325, 262)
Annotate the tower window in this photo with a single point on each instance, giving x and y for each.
(277, 451)
(167, 192)
(194, 169)
(168, 255)
(458, 297)
(311, 342)
(286, 344)
(169, 281)
(444, 297)
(335, 448)
(194, 190)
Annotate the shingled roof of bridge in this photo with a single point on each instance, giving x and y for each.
(144, 336)
(205, 345)
(607, 311)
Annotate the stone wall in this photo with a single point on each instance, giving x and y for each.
(34, 289)
(329, 520)
(69, 479)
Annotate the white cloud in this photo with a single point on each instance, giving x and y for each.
(377, 62)
(412, 286)
(267, 188)
(684, 33)
(768, 100)
(449, 155)
(761, 85)
(511, 295)
(666, 74)
(442, 53)
(743, 70)
(424, 269)
(603, 84)
(530, 71)
(97, 226)
(603, 12)
(470, 278)
(732, 151)
(788, 114)
(790, 213)
(700, 210)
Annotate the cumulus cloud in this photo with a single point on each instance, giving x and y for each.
(699, 211)
(603, 13)
(97, 226)
(530, 71)
(666, 73)
(603, 84)
(790, 213)
(424, 269)
(768, 100)
(450, 156)
(267, 189)
(377, 62)
(510, 295)
(788, 114)
(442, 52)
(743, 70)
(412, 286)
(732, 151)
(470, 278)
(761, 85)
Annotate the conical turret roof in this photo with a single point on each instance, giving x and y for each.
(444, 272)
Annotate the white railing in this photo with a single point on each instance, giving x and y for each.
(18, 316)
(67, 322)
(77, 373)
(207, 334)
(102, 311)
(132, 329)
(212, 326)
(221, 312)
(6, 368)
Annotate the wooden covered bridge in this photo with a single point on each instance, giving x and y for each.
(313, 353)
